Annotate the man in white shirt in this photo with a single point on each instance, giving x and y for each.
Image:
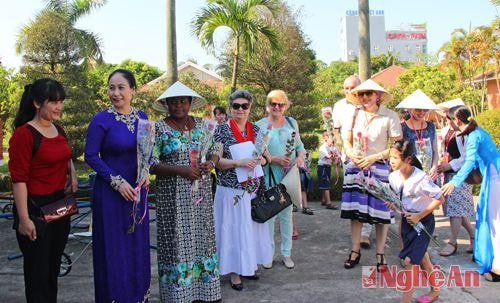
(343, 111)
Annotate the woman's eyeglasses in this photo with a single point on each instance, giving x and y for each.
(421, 110)
(243, 106)
(274, 104)
(367, 93)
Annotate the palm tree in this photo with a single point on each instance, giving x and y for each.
(171, 34)
(89, 43)
(364, 64)
(244, 19)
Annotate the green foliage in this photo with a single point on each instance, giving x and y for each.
(383, 61)
(490, 121)
(438, 85)
(246, 22)
(311, 141)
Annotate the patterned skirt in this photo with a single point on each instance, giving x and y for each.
(187, 258)
(357, 204)
(459, 203)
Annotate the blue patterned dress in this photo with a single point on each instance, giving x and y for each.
(121, 259)
(187, 261)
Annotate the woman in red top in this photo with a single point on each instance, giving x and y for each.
(39, 153)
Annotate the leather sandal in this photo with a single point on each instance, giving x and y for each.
(382, 265)
(491, 277)
(307, 211)
(448, 250)
(350, 263)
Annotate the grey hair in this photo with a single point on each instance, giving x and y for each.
(241, 93)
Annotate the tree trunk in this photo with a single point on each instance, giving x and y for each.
(364, 66)
(235, 65)
(171, 68)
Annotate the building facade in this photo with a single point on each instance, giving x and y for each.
(406, 44)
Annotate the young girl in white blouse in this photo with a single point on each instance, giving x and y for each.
(419, 197)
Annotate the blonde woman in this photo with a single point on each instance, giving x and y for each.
(284, 130)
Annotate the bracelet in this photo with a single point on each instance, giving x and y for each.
(116, 182)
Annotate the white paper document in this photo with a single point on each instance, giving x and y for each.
(242, 151)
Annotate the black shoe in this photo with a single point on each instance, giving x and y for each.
(349, 263)
(254, 277)
(382, 265)
(237, 287)
(294, 208)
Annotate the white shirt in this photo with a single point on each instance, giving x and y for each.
(418, 190)
(324, 152)
(342, 114)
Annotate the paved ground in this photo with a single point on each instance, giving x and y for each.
(319, 275)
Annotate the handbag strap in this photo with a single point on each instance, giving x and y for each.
(271, 177)
(356, 111)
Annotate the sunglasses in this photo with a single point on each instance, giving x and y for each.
(421, 110)
(274, 104)
(367, 93)
(243, 106)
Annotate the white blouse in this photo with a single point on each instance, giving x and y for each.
(418, 191)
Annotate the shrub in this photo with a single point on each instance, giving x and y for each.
(311, 141)
(490, 121)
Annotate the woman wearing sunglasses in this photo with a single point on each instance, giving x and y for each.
(285, 148)
(421, 131)
(242, 243)
(367, 136)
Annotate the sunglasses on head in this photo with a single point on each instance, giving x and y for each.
(243, 106)
(274, 104)
(367, 93)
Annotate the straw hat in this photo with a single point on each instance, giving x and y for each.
(417, 100)
(366, 86)
(451, 103)
(178, 90)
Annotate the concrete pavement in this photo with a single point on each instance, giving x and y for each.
(319, 275)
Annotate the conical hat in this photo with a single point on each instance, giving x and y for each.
(177, 90)
(366, 86)
(417, 99)
(451, 103)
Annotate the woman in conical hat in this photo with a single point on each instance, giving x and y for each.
(187, 257)
(421, 131)
(368, 134)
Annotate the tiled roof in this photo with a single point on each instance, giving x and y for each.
(388, 77)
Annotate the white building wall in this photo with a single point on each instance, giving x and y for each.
(405, 44)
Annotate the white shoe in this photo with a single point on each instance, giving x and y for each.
(288, 262)
(268, 265)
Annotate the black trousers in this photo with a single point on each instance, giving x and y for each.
(42, 260)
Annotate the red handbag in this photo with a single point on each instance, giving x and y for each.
(60, 209)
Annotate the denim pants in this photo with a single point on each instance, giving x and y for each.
(286, 228)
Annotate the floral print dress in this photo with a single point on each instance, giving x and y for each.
(187, 260)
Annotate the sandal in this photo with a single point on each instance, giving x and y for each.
(448, 250)
(471, 246)
(491, 277)
(427, 298)
(307, 211)
(294, 208)
(330, 205)
(382, 265)
(350, 263)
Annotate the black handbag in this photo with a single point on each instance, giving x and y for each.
(268, 203)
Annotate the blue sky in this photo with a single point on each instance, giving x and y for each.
(136, 29)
